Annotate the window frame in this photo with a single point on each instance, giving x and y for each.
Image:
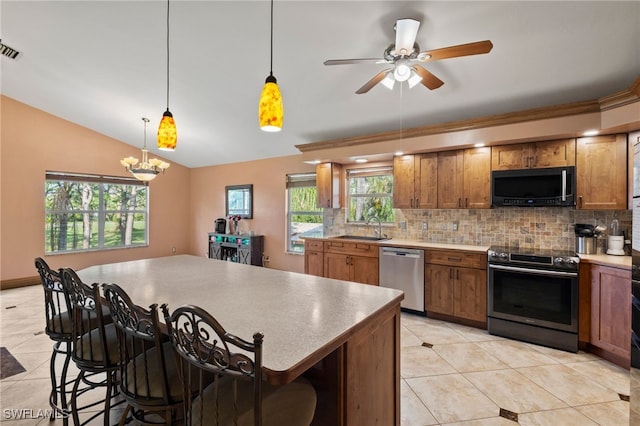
(101, 212)
(298, 180)
(369, 170)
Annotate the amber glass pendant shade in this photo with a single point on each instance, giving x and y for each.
(271, 110)
(167, 132)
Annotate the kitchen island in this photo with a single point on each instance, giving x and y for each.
(343, 336)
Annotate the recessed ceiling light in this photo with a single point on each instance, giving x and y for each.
(361, 160)
(479, 145)
(590, 133)
(313, 162)
(398, 153)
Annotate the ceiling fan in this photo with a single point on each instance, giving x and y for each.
(405, 57)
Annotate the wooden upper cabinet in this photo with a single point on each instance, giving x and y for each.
(477, 178)
(328, 185)
(601, 169)
(415, 181)
(558, 153)
(464, 179)
(450, 174)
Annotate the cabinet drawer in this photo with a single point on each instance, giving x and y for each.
(313, 245)
(360, 249)
(456, 258)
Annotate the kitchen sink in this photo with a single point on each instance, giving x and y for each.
(360, 237)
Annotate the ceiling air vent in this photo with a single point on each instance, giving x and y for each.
(8, 51)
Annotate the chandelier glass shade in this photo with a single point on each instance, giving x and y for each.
(167, 132)
(270, 107)
(147, 169)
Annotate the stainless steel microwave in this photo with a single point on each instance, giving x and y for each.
(551, 187)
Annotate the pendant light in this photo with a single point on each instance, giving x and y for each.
(270, 109)
(167, 132)
(147, 170)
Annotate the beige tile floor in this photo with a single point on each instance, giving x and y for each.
(465, 377)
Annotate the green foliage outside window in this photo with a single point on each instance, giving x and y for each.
(90, 215)
(371, 196)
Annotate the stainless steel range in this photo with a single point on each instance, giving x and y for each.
(533, 296)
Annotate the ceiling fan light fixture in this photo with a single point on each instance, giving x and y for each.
(414, 79)
(402, 71)
(388, 81)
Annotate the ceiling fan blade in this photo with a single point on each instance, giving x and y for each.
(406, 32)
(429, 80)
(375, 80)
(355, 61)
(475, 48)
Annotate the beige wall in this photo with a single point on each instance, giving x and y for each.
(269, 207)
(183, 202)
(31, 142)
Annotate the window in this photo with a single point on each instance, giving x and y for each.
(88, 212)
(303, 217)
(370, 194)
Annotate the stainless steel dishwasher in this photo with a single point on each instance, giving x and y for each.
(403, 269)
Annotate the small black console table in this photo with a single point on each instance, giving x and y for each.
(247, 249)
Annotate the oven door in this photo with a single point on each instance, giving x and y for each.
(534, 296)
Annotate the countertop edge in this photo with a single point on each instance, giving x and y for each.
(622, 262)
(397, 242)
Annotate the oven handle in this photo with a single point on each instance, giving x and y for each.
(534, 271)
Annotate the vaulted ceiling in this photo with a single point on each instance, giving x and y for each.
(102, 64)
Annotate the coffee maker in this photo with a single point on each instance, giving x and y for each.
(220, 226)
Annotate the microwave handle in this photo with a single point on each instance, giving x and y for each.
(564, 185)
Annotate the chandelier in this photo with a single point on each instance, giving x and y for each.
(146, 170)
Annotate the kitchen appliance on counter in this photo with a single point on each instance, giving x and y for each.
(403, 269)
(615, 240)
(220, 226)
(586, 240)
(533, 296)
(547, 187)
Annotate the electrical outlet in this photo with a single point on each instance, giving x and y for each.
(425, 226)
(454, 226)
(173, 250)
(403, 224)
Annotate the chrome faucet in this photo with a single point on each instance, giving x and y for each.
(378, 231)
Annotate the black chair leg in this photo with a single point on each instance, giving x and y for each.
(58, 389)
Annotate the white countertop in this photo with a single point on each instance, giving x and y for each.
(300, 315)
(607, 260)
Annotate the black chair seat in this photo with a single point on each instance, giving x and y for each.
(292, 404)
(90, 347)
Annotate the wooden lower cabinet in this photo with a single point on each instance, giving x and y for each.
(313, 258)
(611, 313)
(360, 269)
(455, 291)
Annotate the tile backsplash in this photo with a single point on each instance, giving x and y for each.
(536, 228)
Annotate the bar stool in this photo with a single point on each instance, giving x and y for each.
(58, 328)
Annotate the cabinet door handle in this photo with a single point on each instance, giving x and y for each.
(417, 202)
(454, 259)
(411, 202)
(580, 201)
(466, 202)
(457, 274)
(459, 202)
(450, 273)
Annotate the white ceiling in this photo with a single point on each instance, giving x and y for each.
(101, 64)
